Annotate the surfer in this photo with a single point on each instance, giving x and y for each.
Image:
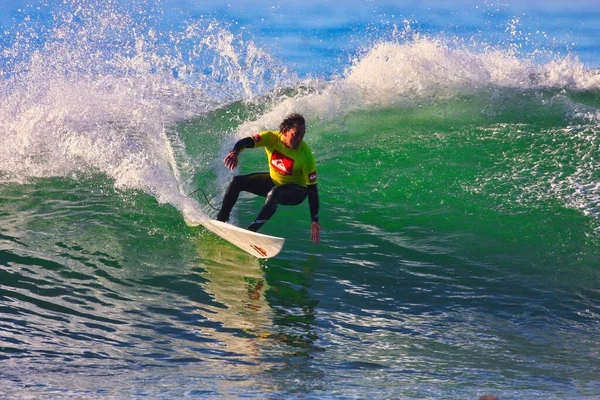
(291, 178)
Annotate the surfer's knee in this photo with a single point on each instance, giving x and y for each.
(274, 194)
(270, 205)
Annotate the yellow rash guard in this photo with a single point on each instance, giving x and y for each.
(287, 165)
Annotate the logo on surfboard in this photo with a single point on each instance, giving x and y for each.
(282, 163)
(259, 250)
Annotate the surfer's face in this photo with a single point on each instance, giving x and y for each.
(293, 137)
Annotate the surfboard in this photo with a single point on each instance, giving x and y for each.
(257, 244)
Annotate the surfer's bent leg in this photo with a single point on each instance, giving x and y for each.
(289, 194)
(258, 183)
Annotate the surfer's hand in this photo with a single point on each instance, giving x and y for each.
(231, 161)
(315, 234)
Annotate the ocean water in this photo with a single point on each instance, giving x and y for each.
(458, 152)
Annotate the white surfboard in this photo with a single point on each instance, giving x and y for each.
(257, 244)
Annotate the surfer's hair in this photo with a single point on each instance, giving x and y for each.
(292, 120)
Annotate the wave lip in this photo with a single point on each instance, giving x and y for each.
(431, 68)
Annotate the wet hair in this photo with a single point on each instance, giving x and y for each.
(292, 120)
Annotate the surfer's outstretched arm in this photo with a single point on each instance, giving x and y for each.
(232, 159)
(313, 203)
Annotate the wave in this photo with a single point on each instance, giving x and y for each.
(102, 92)
(444, 85)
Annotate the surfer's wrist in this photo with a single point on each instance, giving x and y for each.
(242, 144)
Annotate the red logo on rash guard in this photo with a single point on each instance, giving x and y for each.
(256, 138)
(281, 163)
(312, 178)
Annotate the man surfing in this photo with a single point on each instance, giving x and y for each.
(291, 178)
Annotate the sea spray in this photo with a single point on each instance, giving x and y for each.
(100, 91)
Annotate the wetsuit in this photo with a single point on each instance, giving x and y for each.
(291, 178)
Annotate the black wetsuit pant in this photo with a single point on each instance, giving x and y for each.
(260, 184)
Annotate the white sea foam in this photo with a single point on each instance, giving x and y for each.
(416, 69)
